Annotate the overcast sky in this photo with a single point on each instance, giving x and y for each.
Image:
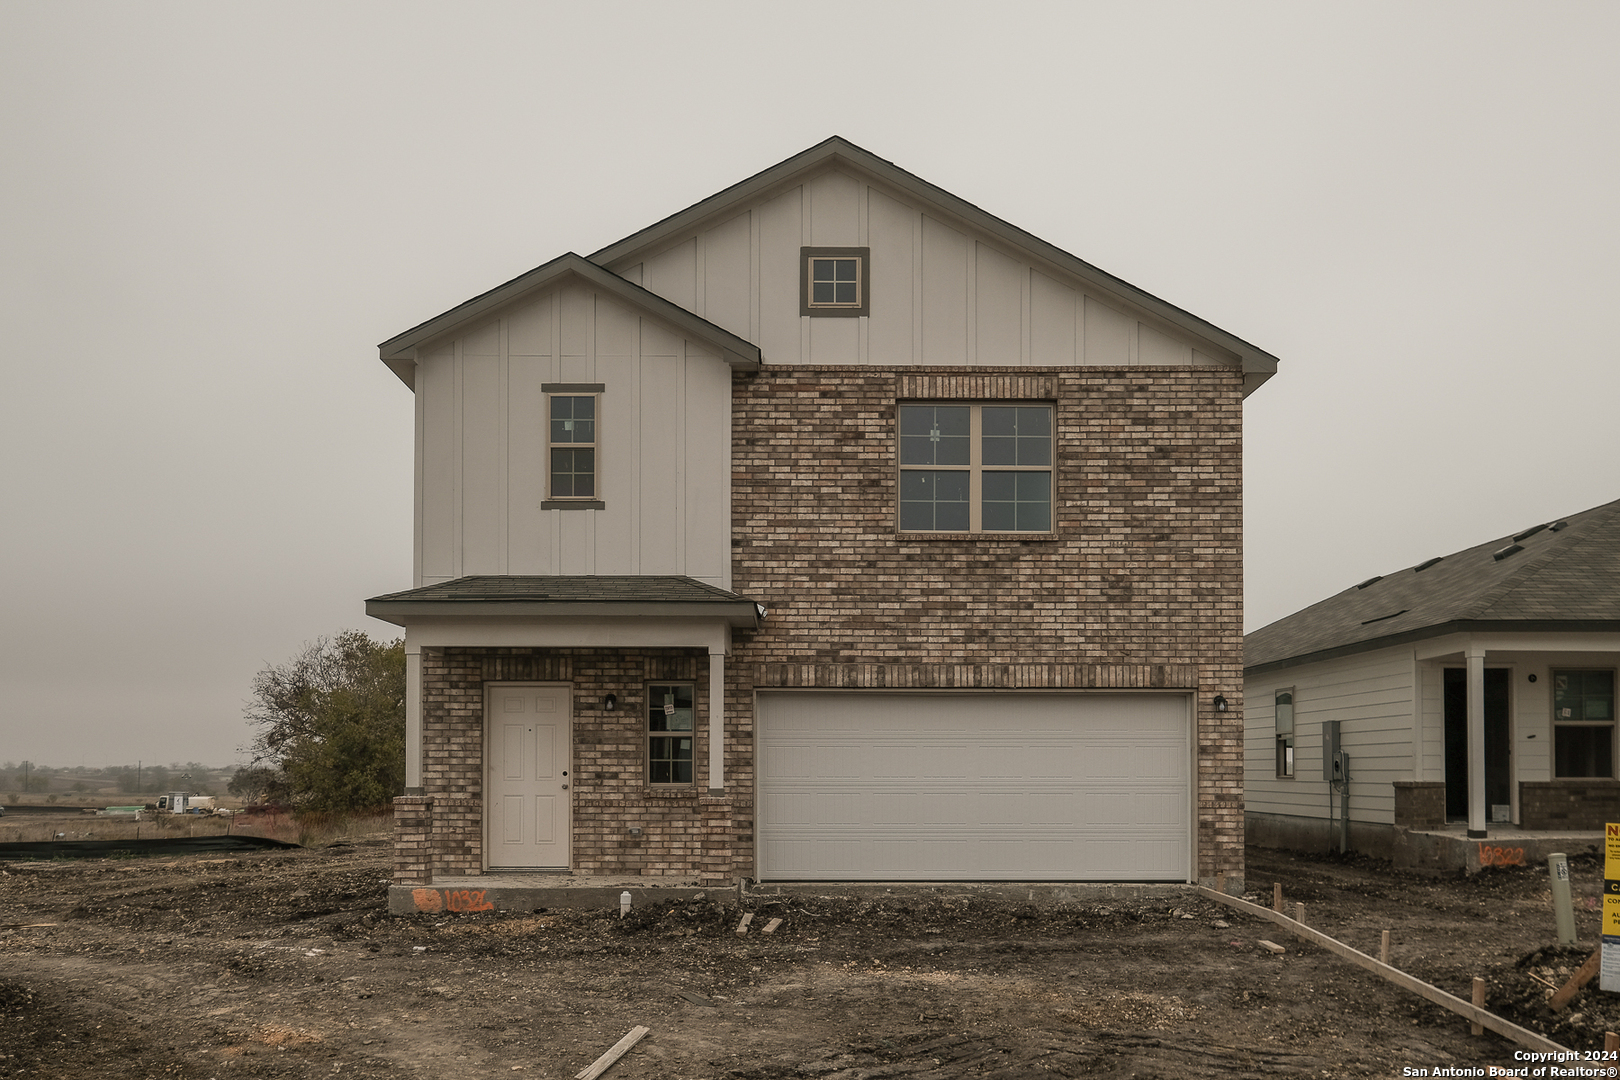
(211, 213)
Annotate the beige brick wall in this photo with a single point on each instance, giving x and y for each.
(1139, 586)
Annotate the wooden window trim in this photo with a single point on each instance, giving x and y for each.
(862, 255)
(976, 470)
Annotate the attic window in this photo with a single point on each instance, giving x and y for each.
(834, 281)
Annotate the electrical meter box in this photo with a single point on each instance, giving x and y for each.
(1332, 752)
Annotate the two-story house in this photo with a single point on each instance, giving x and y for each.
(830, 528)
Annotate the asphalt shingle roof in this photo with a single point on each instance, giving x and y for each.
(537, 589)
(1562, 574)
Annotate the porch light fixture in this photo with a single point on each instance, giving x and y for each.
(610, 702)
(1220, 703)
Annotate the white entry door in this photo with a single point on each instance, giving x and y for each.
(526, 766)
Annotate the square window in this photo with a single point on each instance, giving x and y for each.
(975, 468)
(833, 281)
(671, 723)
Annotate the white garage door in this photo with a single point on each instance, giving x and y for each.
(939, 787)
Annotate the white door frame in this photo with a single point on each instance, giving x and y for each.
(567, 768)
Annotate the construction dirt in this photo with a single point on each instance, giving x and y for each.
(285, 963)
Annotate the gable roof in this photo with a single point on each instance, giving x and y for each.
(398, 352)
(1561, 575)
(600, 270)
(1258, 365)
(530, 596)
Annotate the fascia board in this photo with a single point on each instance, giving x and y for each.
(836, 151)
(1441, 630)
(399, 351)
(410, 612)
(571, 633)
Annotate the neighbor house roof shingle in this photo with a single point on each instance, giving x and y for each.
(1562, 575)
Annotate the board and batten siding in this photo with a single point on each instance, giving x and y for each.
(939, 293)
(1371, 694)
(664, 447)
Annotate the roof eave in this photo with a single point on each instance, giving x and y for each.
(740, 615)
(1456, 626)
(1257, 364)
(399, 352)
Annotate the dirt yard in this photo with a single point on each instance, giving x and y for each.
(285, 964)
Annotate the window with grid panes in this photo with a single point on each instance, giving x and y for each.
(572, 439)
(833, 281)
(975, 467)
(1583, 723)
(671, 717)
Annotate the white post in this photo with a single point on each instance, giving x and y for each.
(1476, 742)
(413, 715)
(717, 719)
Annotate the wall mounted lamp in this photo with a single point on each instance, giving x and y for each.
(1220, 703)
(610, 702)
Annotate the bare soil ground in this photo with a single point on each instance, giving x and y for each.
(286, 964)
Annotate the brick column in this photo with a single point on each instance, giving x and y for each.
(715, 860)
(413, 830)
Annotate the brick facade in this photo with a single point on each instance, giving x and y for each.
(1139, 586)
(1420, 804)
(1568, 804)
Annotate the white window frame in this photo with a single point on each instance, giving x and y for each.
(1285, 726)
(1560, 724)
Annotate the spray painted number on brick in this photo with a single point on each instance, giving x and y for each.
(432, 900)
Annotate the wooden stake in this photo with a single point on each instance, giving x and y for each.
(1611, 1042)
(1271, 946)
(1479, 1000)
(1276, 897)
(1299, 914)
(1383, 948)
(1220, 881)
(1582, 976)
(620, 1048)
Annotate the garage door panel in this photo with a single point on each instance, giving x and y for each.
(959, 787)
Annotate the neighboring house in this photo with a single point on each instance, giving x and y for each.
(1477, 688)
(831, 528)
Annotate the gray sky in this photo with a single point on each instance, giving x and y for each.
(213, 212)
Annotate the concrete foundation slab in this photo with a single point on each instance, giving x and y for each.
(535, 892)
(1451, 849)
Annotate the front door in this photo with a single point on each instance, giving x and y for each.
(526, 765)
(1498, 771)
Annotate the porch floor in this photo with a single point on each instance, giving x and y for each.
(1450, 848)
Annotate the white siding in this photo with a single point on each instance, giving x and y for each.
(663, 457)
(941, 294)
(1371, 695)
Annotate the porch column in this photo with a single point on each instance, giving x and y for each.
(717, 719)
(1476, 742)
(413, 717)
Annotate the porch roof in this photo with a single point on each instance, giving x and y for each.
(1558, 576)
(568, 596)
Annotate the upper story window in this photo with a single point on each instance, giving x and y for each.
(571, 439)
(834, 281)
(975, 468)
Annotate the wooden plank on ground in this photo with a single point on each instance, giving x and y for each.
(1582, 976)
(620, 1048)
(1467, 1010)
(1271, 946)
